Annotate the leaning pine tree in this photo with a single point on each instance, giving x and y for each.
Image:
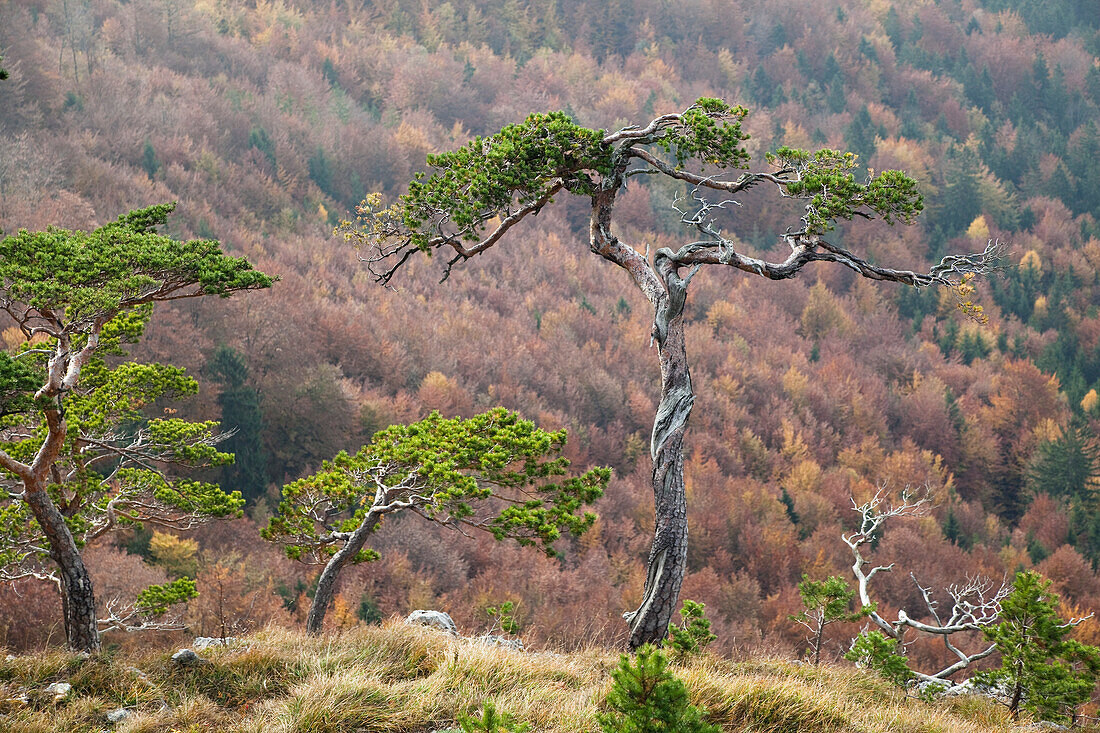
(78, 456)
(482, 190)
(493, 472)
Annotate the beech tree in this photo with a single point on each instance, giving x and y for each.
(493, 472)
(78, 456)
(481, 191)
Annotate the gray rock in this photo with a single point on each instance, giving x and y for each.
(187, 658)
(435, 619)
(494, 640)
(59, 690)
(119, 715)
(205, 642)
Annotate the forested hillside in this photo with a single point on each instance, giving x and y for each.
(269, 120)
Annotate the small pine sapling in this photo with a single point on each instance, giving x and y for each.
(503, 616)
(693, 635)
(646, 698)
(1041, 670)
(876, 651)
(490, 721)
(827, 602)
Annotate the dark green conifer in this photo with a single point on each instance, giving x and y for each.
(241, 412)
(646, 698)
(1041, 670)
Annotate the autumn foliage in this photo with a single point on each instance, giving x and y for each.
(269, 122)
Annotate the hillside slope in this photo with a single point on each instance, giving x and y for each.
(399, 679)
(269, 120)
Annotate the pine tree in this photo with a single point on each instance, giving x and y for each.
(490, 721)
(241, 412)
(694, 634)
(494, 472)
(1068, 466)
(952, 532)
(81, 457)
(149, 162)
(1041, 670)
(646, 698)
(874, 650)
(826, 603)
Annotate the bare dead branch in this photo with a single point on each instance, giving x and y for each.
(975, 603)
(125, 616)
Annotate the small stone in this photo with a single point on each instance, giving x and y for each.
(205, 642)
(59, 690)
(187, 658)
(435, 619)
(494, 640)
(119, 715)
(137, 673)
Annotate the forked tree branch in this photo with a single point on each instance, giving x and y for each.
(807, 247)
(125, 616)
(975, 603)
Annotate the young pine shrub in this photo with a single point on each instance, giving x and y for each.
(1042, 669)
(876, 651)
(646, 698)
(826, 602)
(693, 635)
(490, 721)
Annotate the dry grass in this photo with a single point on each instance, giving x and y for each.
(414, 680)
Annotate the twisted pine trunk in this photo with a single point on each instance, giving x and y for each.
(326, 584)
(667, 560)
(77, 596)
(667, 292)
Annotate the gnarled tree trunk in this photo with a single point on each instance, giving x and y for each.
(667, 560)
(667, 292)
(77, 596)
(326, 584)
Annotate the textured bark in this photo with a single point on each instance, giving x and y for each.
(326, 584)
(1017, 692)
(667, 562)
(667, 292)
(77, 596)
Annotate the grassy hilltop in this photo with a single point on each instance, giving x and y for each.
(398, 678)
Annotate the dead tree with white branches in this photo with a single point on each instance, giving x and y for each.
(975, 603)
